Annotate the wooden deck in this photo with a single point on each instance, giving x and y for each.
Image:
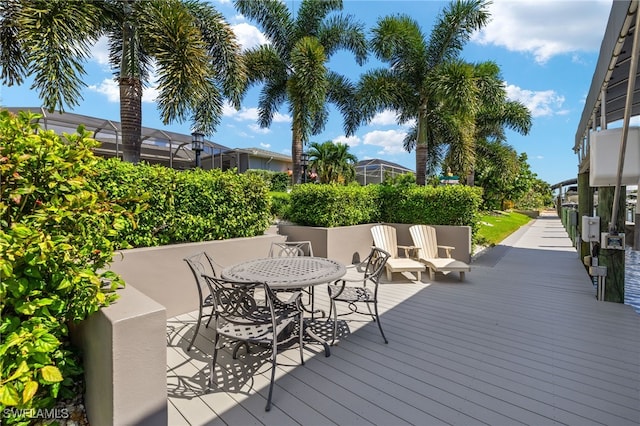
(522, 340)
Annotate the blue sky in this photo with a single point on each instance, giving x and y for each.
(547, 50)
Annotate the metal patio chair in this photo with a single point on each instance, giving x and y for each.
(241, 318)
(202, 264)
(294, 249)
(359, 286)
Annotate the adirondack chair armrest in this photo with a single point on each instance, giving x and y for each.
(447, 249)
(409, 251)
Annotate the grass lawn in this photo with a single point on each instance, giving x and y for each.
(496, 226)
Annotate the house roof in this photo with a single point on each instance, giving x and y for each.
(377, 163)
(260, 153)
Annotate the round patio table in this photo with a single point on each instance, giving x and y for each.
(288, 273)
(283, 273)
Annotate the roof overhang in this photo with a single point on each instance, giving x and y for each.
(607, 95)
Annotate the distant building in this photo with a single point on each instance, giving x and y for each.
(163, 147)
(375, 170)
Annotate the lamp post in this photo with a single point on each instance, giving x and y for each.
(197, 144)
(304, 162)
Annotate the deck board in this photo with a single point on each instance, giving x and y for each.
(521, 341)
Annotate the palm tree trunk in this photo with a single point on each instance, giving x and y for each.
(422, 149)
(296, 153)
(131, 118)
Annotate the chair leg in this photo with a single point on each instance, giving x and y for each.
(301, 338)
(335, 321)
(375, 306)
(213, 359)
(274, 350)
(195, 334)
(210, 318)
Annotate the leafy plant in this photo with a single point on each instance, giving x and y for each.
(56, 236)
(171, 206)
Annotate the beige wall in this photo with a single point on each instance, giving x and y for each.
(163, 275)
(125, 362)
(349, 244)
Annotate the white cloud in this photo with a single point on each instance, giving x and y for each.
(257, 129)
(100, 52)
(245, 114)
(546, 28)
(265, 145)
(351, 140)
(248, 35)
(110, 89)
(540, 103)
(281, 118)
(389, 140)
(384, 118)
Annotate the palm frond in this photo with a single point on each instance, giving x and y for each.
(56, 47)
(311, 14)
(224, 50)
(454, 28)
(343, 32)
(13, 56)
(184, 73)
(342, 93)
(273, 17)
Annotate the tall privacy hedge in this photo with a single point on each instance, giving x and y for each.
(334, 205)
(170, 206)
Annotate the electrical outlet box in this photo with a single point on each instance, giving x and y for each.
(590, 228)
(612, 241)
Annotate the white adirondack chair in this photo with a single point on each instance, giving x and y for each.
(425, 240)
(384, 237)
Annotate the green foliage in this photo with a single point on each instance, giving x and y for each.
(444, 205)
(275, 181)
(57, 233)
(333, 205)
(496, 226)
(332, 162)
(172, 206)
(280, 204)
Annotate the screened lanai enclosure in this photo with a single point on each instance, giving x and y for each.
(376, 170)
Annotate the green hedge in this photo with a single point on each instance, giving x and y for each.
(57, 235)
(275, 181)
(443, 205)
(170, 206)
(331, 206)
(280, 203)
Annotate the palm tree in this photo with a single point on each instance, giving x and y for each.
(413, 62)
(293, 66)
(490, 114)
(332, 162)
(189, 45)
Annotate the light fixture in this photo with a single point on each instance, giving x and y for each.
(197, 144)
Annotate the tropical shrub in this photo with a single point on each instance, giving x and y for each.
(280, 204)
(334, 205)
(56, 237)
(171, 206)
(276, 181)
